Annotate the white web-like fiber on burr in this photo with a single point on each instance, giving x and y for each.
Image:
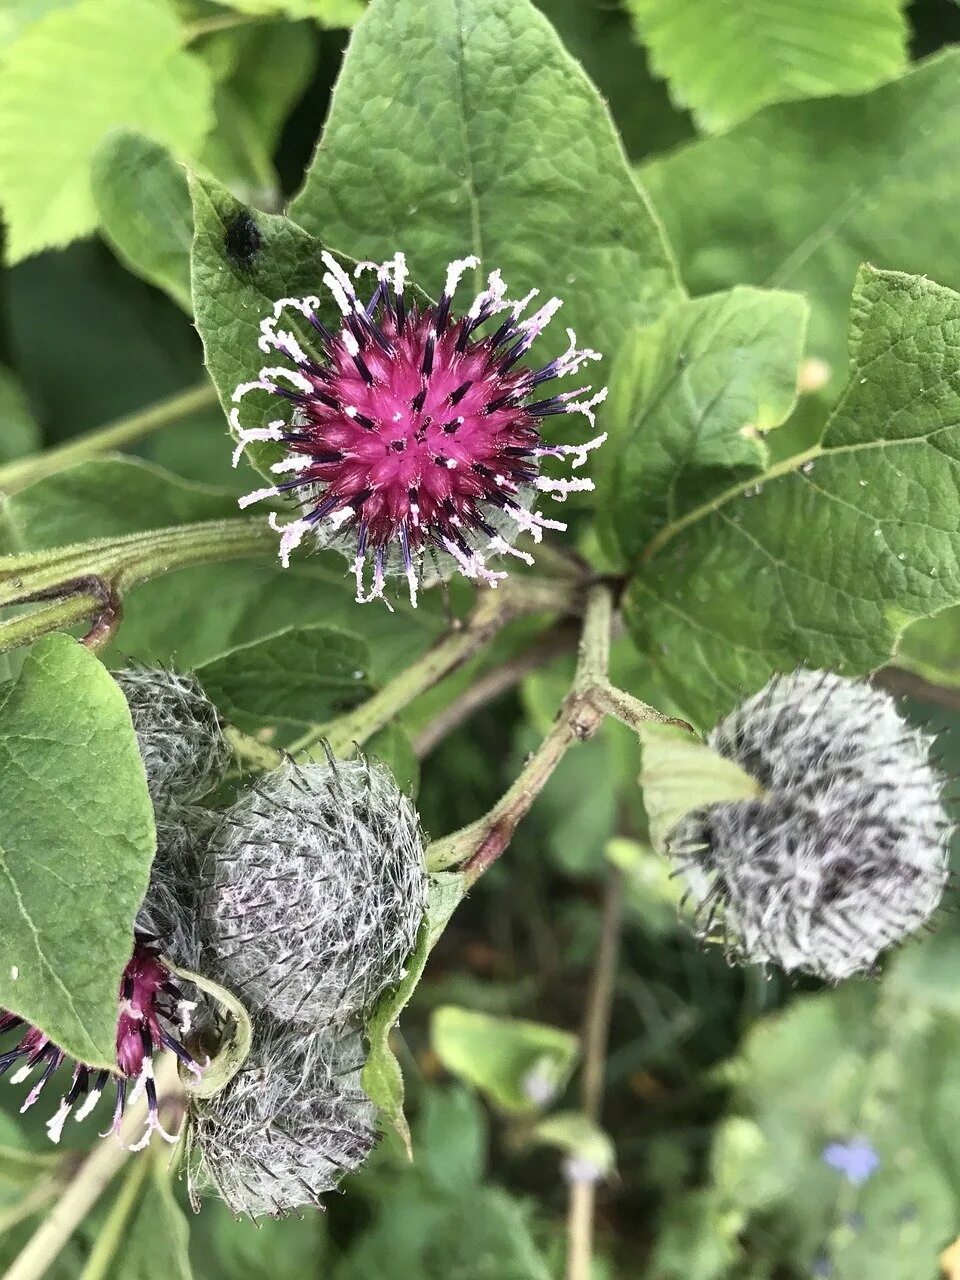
(288, 1127)
(178, 730)
(169, 911)
(315, 891)
(847, 852)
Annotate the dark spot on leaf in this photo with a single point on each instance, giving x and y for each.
(242, 240)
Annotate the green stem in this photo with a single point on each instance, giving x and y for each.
(494, 609)
(591, 697)
(26, 471)
(89, 580)
(108, 1241)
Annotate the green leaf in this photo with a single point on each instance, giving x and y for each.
(300, 676)
(76, 843)
(743, 587)
(799, 196)
(452, 1139)
(382, 1078)
(690, 399)
(144, 208)
(328, 13)
(231, 297)
(518, 1065)
(577, 1135)
(654, 893)
(468, 115)
(725, 58)
(681, 774)
(198, 614)
(71, 78)
(19, 432)
(17, 15)
(930, 649)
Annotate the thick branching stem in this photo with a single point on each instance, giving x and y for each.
(591, 698)
(91, 1180)
(518, 597)
(116, 435)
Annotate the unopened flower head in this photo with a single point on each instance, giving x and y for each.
(315, 891)
(415, 432)
(153, 1013)
(288, 1127)
(178, 730)
(845, 854)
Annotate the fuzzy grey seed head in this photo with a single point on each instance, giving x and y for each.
(168, 913)
(314, 892)
(847, 852)
(178, 730)
(288, 1127)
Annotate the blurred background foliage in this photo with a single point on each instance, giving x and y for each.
(724, 1087)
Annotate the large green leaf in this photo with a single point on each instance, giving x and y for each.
(725, 58)
(463, 126)
(690, 398)
(827, 558)
(144, 207)
(300, 676)
(799, 196)
(198, 614)
(72, 77)
(76, 843)
(329, 13)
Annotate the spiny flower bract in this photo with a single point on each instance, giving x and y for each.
(168, 913)
(415, 432)
(178, 730)
(845, 854)
(288, 1127)
(315, 891)
(152, 1014)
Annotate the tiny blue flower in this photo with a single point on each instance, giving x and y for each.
(856, 1160)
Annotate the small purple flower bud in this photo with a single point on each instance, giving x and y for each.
(288, 1127)
(178, 730)
(845, 854)
(315, 891)
(415, 432)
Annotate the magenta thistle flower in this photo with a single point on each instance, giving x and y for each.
(413, 433)
(149, 1003)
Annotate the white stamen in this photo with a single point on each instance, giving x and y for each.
(56, 1122)
(455, 272)
(274, 431)
(18, 1077)
(503, 547)
(560, 488)
(493, 295)
(572, 359)
(341, 516)
(88, 1104)
(534, 325)
(586, 407)
(340, 285)
(296, 462)
(292, 534)
(350, 342)
(257, 496)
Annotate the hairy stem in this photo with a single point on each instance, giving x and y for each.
(91, 1180)
(26, 471)
(582, 1196)
(591, 697)
(90, 579)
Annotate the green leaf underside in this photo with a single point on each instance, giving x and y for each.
(328, 13)
(453, 123)
(725, 58)
(76, 831)
(680, 775)
(802, 194)
(300, 676)
(198, 614)
(382, 1078)
(51, 124)
(144, 207)
(515, 1063)
(746, 588)
(690, 398)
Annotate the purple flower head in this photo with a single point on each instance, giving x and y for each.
(415, 432)
(150, 1003)
(856, 1160)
